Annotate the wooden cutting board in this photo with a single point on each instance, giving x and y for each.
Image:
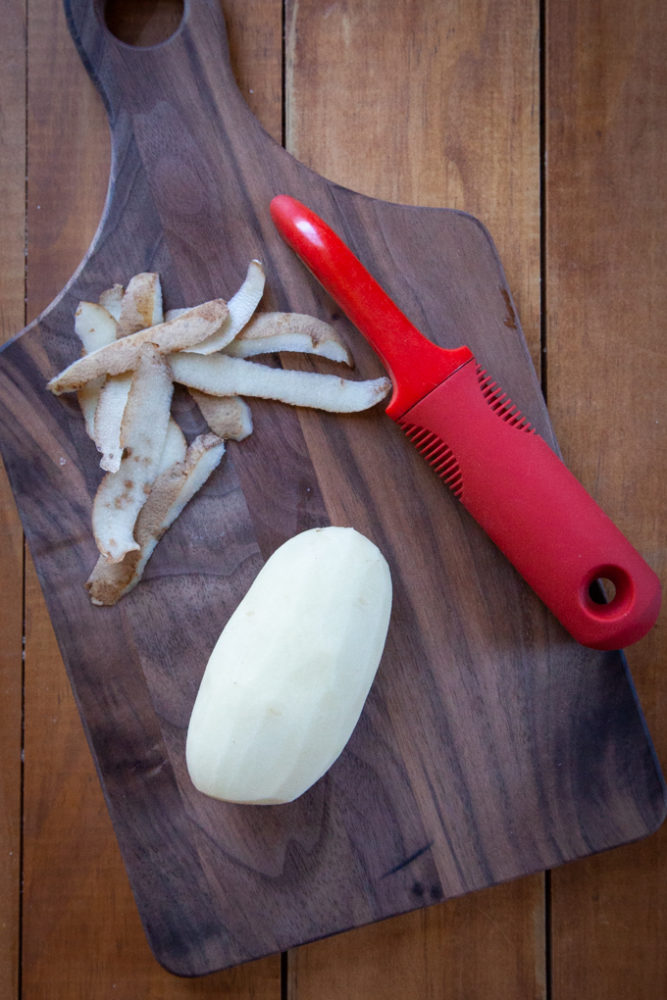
(491, 745)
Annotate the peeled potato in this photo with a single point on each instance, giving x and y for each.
(288, 677)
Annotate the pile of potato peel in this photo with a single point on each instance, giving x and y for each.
(133, 354)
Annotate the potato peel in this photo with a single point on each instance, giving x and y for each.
(270, 333)
(141, 304)
(228, 416)
(122, 494)
(174, 448)
(241, 307)
(172, 490)
(95, 327)
(109, 418)
(112, 300)
(123, 355)
(132, 356)
(109, 422)
(88, 397)
(220, 375)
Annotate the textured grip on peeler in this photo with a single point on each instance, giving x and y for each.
(534, 509)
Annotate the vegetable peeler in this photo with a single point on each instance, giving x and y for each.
(486, 451)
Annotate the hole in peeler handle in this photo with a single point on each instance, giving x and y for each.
(143, 23)
(602, 591)
(609, 592)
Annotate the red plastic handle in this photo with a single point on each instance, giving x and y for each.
(535, 510)
(504, 473)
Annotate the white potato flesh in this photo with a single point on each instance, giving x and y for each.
(270, 333)
(141, 304)
(95, 327)
(109, 419)
(241, 307)
(112, 300)
(288, 678)
(218, 375)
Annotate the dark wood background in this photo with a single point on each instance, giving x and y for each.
(548, 124)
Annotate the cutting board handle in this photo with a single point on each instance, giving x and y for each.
(132, 77)
(180, 128)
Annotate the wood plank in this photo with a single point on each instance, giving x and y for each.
(466, 135)
(607, 301)
(81, 934)
(12, 264)
(488, 945)
(427, 104)
(68, 146)
(76, 898)
(254, 30)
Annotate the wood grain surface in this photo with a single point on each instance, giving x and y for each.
(74, 931)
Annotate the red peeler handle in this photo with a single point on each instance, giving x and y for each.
(503, 472)
(535, 510)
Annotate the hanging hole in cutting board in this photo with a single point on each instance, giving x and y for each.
(143, 23)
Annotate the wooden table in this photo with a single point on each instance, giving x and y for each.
(549, 123)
